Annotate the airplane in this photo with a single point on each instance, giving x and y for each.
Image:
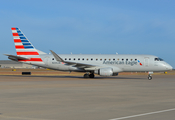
(101, 64)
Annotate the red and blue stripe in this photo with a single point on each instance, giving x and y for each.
(24, 47)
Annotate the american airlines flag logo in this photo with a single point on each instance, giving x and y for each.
(139, 62)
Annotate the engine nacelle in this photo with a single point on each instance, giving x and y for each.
(104, 71)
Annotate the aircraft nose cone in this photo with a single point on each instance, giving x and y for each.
(169, 67)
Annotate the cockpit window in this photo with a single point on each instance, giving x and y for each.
(158, 59)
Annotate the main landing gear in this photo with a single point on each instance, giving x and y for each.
(87, 75)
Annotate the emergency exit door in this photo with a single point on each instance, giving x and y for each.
(146, 61)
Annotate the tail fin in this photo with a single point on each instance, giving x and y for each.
(24, 47)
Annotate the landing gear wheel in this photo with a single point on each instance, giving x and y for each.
(86, 76)
(91, 75)
(149, 77)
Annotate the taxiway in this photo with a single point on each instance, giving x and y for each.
(131, 97)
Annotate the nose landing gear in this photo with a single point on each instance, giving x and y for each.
(149, 75)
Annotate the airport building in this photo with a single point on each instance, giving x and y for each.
(13, 64)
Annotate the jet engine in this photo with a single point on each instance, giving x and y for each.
(105, 72)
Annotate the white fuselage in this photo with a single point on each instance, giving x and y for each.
(119, 63)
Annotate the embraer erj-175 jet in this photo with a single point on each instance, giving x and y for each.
(103, 65)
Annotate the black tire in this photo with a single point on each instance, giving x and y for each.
(149, 77)
(91, 75)
(86, 76)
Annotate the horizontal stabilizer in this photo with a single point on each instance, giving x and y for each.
(16, 58)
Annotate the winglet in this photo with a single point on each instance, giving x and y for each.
(58, 58)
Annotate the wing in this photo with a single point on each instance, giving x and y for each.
(75, 64)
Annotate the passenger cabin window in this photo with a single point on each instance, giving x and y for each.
(100, 59)
(69, 58)
(158, 59)
(135, 59)
(114, 59)
(126, 59)
(74, 58)
(105, 59)
(91, 59)
(96, 59)
(87, 59)
(78, 58)
(131, 59)
(122, 59)
(118, 59)
(65, 59)
(109, 59)
(52, 58)
(83, 59)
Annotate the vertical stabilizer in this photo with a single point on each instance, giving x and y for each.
(24, 47)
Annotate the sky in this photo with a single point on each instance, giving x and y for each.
(91, 26)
